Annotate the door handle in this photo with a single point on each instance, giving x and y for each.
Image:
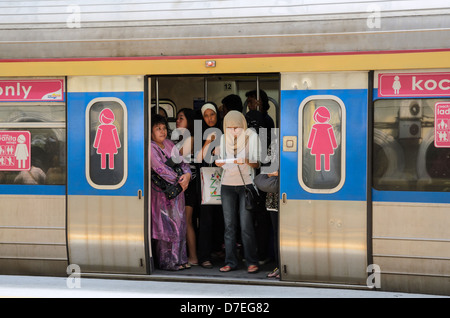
(140, 194)
(284, 197)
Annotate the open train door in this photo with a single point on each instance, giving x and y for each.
(323, 177)
(106, 162)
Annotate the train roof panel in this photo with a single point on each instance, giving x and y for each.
(94, 28)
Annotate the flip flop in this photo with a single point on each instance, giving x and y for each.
(184, 266)
(252, 269)
(226, 268)
(274, 273)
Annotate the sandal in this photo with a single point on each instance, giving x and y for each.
(206, 264)
(184, 266)
(226, 268)
(252, 269)
(275, 273)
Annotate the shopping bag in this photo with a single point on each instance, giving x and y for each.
(210, 185)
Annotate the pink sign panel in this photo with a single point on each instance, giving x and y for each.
(31, 90)
(413, 84)
(442, 125)
(15, 154)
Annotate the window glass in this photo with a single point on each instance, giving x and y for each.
(322, 122)
(46, 124)
(32, 113)
(404, 155)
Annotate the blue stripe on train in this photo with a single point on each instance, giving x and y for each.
(23, 189)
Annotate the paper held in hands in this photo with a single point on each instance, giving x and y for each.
(231, 160)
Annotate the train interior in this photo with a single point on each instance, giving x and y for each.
(173, 93)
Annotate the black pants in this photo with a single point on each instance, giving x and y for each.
(210, 232)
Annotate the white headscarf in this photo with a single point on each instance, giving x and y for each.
(208, 106)
(235, 140)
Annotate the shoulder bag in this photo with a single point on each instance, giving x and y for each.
(253, 201)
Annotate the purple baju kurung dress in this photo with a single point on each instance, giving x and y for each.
(168, 216)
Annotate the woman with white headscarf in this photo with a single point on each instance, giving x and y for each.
(238, 156)
(210, 225)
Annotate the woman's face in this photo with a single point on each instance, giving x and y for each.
(252, 103)
(235, 131)
(181, 121)
(159, 133)
(210, 117)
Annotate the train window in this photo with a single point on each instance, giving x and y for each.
(46, 125)
(322, 127)
(106, 143)
(33, 113)
(405, 157)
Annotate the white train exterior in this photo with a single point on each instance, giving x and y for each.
(379, 213)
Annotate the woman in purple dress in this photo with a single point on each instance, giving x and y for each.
(168, 216)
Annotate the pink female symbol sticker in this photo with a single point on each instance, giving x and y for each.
(106, 138)
(442, 125)
(15, 150)
(322, 140)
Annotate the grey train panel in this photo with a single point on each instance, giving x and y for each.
(33, 235)
(324, 241)
(410, 244)
(42, 29)
(105, 234)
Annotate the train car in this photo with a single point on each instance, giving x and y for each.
(369, 208)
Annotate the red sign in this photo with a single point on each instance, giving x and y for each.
(413, 84)
(442, 125)
(15, 154)
(31, 90)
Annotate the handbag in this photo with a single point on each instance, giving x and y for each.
(266, 183)
(210, 180)
(171, 191)
(253, 201)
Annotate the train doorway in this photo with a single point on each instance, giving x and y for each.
(167, 95)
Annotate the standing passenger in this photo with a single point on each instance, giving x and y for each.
(242, 145)
(268, 182)
(168, 217)
(262, 105)
(211, 216)
(185, 127)
(259, 119)
(231, 102)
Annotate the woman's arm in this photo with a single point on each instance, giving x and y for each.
(184, 180)
(157, 163)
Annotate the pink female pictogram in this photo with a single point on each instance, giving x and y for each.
(322, 140)
(107, 139)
